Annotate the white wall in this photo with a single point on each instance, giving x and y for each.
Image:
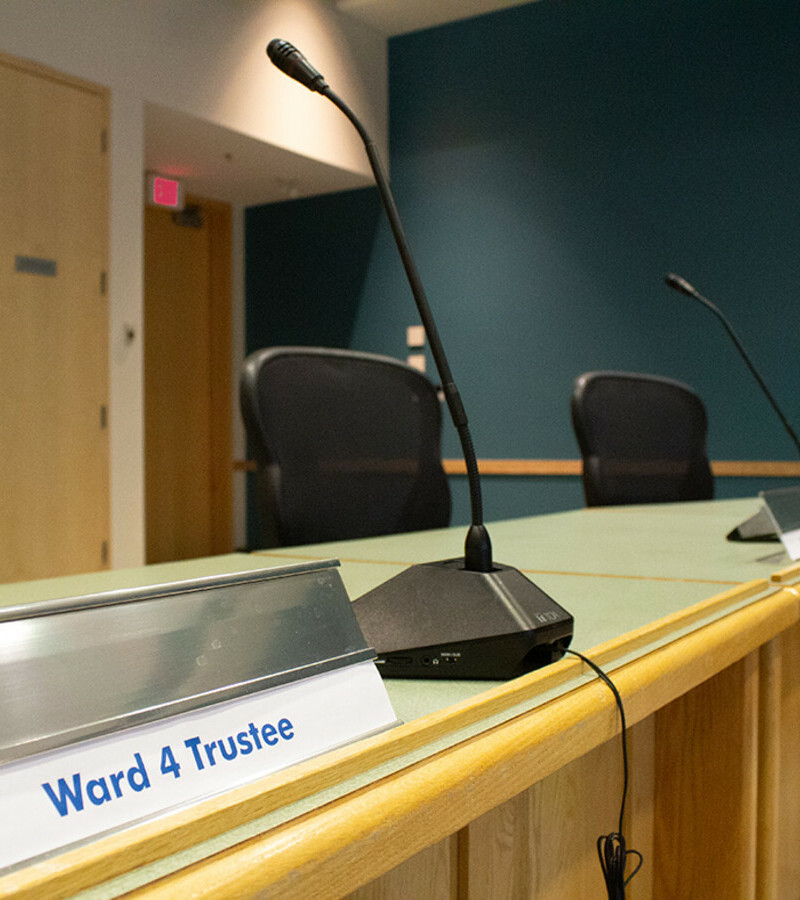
(205, 58)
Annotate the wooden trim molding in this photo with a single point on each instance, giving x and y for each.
(220, 236)
(760, 468)
(726, 468)
(517, 466)
(30, 66)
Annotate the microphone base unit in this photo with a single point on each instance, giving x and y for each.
(439, 620)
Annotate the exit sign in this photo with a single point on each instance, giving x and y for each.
(163, 191)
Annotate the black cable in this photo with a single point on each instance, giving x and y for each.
(611, 847)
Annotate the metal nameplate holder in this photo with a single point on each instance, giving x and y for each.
(119, 705)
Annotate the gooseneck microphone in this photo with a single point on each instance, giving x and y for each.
(462, 618)
(683, 287)
(478, 547)
(292, 63)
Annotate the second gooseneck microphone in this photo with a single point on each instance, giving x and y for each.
(683, 287)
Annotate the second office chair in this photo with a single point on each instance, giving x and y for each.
(642, 438)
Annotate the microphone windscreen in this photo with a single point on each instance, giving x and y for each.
(292, 63)
(279, 52)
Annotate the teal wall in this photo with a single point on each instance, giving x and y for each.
(551, 163)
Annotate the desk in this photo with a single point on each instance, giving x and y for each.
(500, 790)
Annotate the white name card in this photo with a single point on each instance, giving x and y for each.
(783, 508)
(791, 543)
(52, 800)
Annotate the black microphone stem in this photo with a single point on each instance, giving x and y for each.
(478, 552)
(679, 284)
(478, 546)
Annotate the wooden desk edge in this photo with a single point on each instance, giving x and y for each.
(785, 575)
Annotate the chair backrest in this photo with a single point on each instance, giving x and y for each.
(642, 439)
(347, 445)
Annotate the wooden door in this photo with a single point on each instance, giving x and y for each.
(53, 324)
(188, 415)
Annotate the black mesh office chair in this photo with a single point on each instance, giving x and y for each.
(347, 445)
(642, 439)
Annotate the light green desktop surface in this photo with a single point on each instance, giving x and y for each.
(677, 541)
(613, 569)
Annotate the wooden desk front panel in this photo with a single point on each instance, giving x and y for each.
(785, 818)
(693, 808)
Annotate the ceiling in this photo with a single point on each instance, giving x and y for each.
(392, 17)
(221, 164)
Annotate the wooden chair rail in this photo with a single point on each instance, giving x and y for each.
(736, 468)
(759, 468)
